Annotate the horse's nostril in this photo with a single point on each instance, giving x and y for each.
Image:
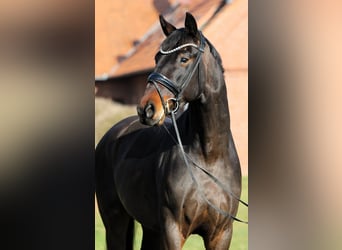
(149, 111)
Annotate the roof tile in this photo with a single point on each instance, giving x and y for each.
(228, 32)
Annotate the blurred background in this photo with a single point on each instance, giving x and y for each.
(127, 37)
(47, 70)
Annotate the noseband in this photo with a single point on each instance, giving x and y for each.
(176, 89)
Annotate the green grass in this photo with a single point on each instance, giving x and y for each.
(194, 242)
(108, 113)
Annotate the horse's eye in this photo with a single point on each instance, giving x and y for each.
(184, 60)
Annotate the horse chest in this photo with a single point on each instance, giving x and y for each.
(186, 195)
(194, 215)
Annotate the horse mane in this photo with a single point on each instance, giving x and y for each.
(215, 54)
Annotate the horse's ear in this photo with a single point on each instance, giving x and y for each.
(190, 24)
(167, 27)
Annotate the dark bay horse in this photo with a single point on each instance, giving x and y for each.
(143, 174)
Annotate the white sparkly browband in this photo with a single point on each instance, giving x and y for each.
(178, 48)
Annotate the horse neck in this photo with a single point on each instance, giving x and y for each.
(210, 121)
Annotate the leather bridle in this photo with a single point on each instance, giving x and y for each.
(176, 89)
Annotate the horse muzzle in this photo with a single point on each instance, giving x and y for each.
(158, 102)
(150, 114)
(147, 115)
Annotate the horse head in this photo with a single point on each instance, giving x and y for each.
(176, 77)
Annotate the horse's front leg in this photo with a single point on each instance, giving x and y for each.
(220, 240)
(172, 238)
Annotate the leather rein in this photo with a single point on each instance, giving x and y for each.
(157, 78)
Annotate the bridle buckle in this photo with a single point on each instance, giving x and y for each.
(174, 103)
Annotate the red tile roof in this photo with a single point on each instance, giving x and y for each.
(141, 57)
(118, 24)
(227, 31)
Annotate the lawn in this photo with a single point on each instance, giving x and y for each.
(108, 113)
(240, 234)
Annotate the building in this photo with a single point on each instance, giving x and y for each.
(224, 23)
